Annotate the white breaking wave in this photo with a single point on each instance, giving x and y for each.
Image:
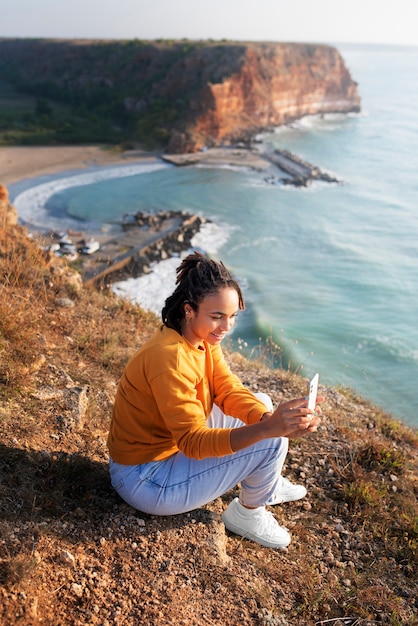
(31, 204)
(151, 290)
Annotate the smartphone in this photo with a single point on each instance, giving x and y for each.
(313, 391)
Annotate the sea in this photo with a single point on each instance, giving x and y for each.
(329, 272)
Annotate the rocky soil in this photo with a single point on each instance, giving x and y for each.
(72, 553)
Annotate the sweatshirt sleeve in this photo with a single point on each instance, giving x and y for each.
(232, 397)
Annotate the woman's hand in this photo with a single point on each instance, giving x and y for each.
(293, 419)
(290, 419)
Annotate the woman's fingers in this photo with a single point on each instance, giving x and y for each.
(296, 418)
(293, 418)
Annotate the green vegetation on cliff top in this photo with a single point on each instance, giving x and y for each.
(58, 92)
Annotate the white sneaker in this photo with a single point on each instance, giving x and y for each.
(287, 492)
(256, 524)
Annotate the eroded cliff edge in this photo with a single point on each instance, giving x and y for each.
(273, 84)
(191, 94)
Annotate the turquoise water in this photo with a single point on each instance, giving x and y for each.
(329, 272)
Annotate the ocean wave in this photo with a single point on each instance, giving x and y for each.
(326, 121)
(260, 241)
(212, 237)
(388, 348)
(31, 204)
(151, 290)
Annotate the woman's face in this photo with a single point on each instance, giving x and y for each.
(213, 319)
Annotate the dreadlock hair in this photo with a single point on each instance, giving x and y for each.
(197, 277)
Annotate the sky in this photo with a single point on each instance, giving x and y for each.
(316, 21)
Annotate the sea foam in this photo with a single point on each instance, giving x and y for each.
(32, 203)
(151, 290)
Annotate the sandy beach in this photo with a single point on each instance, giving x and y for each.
(21, 162)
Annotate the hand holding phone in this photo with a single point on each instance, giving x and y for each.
(313, 392)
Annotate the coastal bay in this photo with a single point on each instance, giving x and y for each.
(331, 266)
(20, 163)
(315, 239)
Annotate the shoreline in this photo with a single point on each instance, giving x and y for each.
(141, 247)
(19, 163)
(23, 163)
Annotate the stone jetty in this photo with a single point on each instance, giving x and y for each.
(300, 173)
(145, 238)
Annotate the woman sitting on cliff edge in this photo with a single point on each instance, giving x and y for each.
(185, 430)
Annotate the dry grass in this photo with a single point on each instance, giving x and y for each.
(72, 553)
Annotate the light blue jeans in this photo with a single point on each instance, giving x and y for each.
(179, 484)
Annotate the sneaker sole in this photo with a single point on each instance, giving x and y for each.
(249, 535)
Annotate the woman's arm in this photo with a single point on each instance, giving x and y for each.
(230, 395)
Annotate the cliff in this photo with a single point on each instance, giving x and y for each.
(71, 552)
(186, 94)
(273, 85)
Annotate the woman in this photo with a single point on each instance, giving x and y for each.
(185, 430)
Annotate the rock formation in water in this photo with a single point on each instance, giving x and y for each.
(189, 94)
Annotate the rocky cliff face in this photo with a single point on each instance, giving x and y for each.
(275, 84)
(199, 94)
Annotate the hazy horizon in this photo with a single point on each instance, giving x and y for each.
(304, 21)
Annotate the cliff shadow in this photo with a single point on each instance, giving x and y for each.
(40, 486)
